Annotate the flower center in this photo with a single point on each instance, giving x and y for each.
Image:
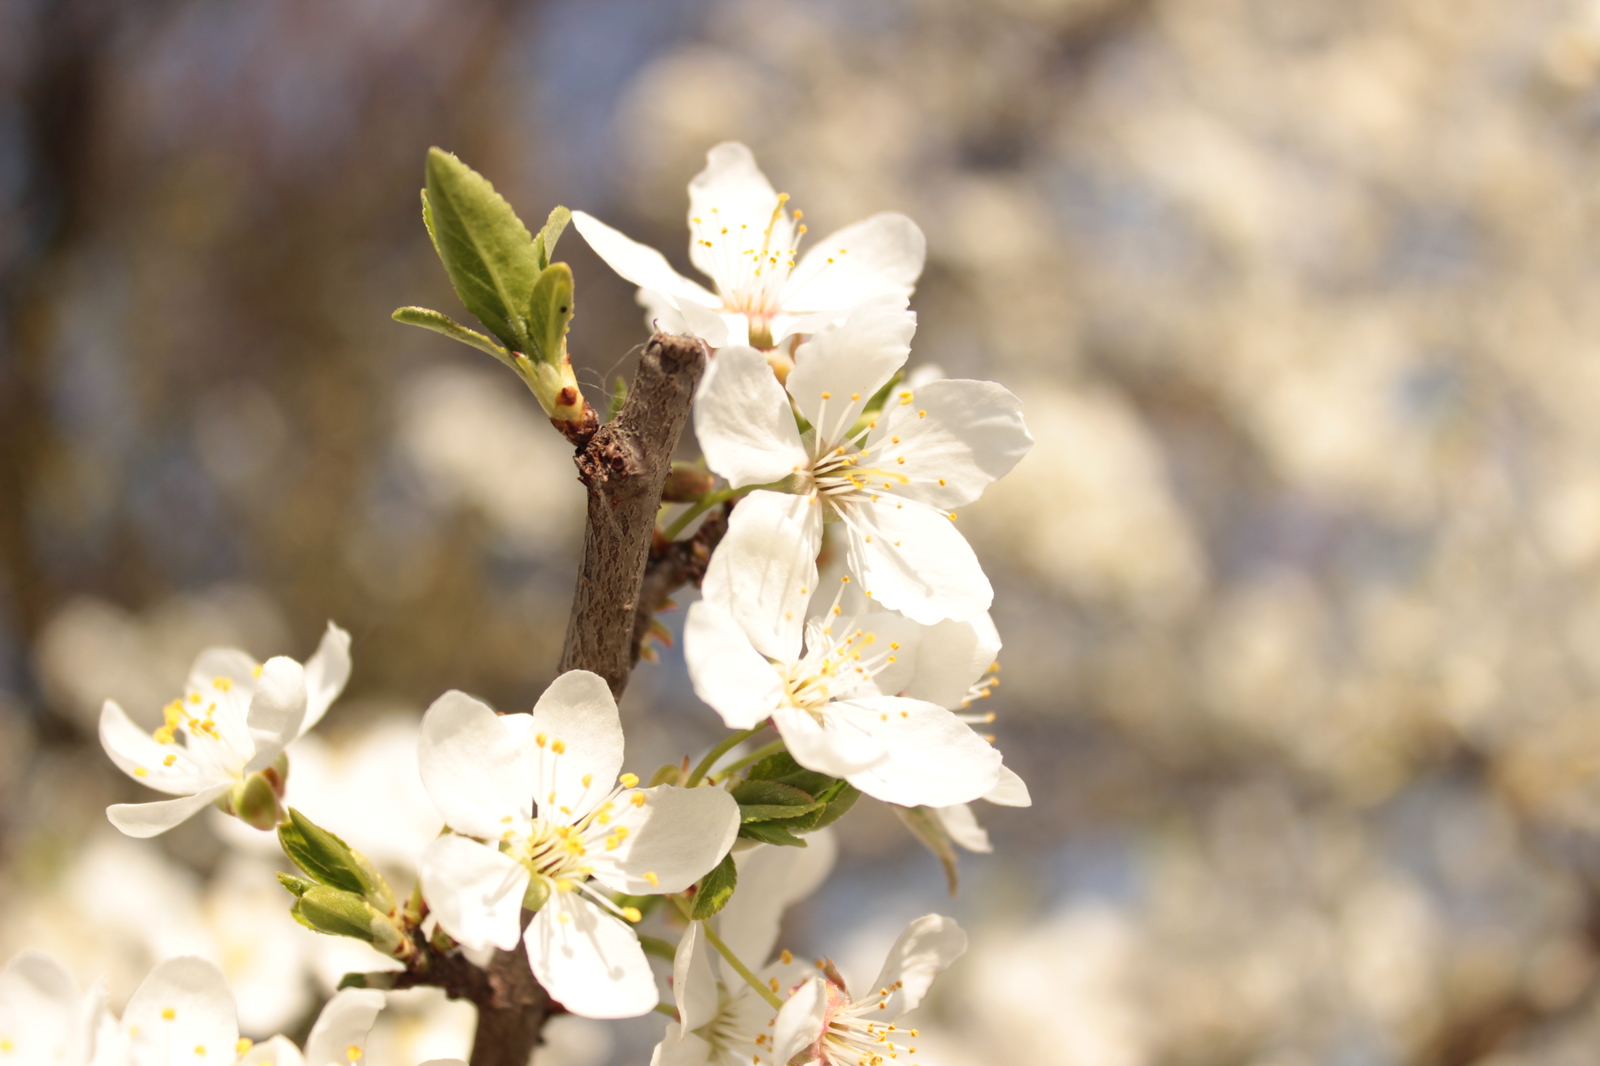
(837, 660)
(749, 269)
(209, 719)
(847, 1039)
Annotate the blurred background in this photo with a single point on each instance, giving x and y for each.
(1300, 585)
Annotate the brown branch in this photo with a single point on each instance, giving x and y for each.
(624, 467)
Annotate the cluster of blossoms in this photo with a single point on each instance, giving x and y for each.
(862, 668)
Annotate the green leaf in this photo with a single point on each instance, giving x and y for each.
(771, 833)
(766, 812)
(781, 767)
(838, 805)
(716, 888)
(427, 220)
(545, 242)
(486, 249)
(449, 327)
(296, 885)
(320, 855)
(927, 828)
(549, 313)
(772, 793)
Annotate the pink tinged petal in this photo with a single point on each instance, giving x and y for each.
(475, 891)
(694, 989)
(950, 658)
(589, 961)
(837, 371)
(581, 755)
(679, 1047)
(639, 263)
(916, 562)
(956, 437)
(934, 758)
(835, 746)
(671, 840)
(770, 880)
(924, 950)
(279, 1051)
(137, 754)
(764, 571)
(276, 710)
(727, 671)
(144, 820)
(743, 421)
(799, 1022)
(183, 1006)
(473, 769)
(343, 1024)
(1010, 791)
(881, 256)
(42, 1012)
(961, 825)
(327, 672)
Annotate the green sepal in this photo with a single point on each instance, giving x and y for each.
(296, 885)
(449, 327)
(550, 310)
(544, 242)
(927, 828)
(716, 889)
(764, 801)
(771, 833)
(383, 980)
(485, 248)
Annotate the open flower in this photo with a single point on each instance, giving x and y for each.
(541, 795)
(830, 683)
(743, 237)
(223, 737)
(822, 1024)
(890, 479)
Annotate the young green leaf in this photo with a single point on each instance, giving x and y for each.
(771, 833)
(838, 804)
(486, 249)
(781, 767)
(716, 888)
(545, 242)
(549, 313)
(440, 323)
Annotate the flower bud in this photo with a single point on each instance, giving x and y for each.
(336, 912)
(687, 483)
(254, 801)
(330, 861)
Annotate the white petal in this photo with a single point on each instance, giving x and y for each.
(151, 819)
(42, 1014)
(327, 672)
(961, 826)
(927, 946)
(232, 663)
(836, 746)
(137, 754)
(916, 563)
(677, 835)
(1011, 791)
(714, 328)
(694, 989)
(743, 421)
(184, 1004)
(639, 263)
(949, 658)
(679, 1047)
(878, 256)
(475, 891)
(837, 371)
(279, 1051)
(764, 571)
(799, 1020)
(956, 436)
(770, 880)
(731, 191)
(340, 1034)
(589, 961)
(473, 769)
(276, 710)
(578, 714)
(934, 759)
(727, 671)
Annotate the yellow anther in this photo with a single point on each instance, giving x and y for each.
(566, 886)
(558, 746)
(169, 760)
(163, 735)
(650, 875)
(255, 671)
(632, 914)
(541, 740)
(352, 1052)
(894, 440)
(628, 780)
(168, 1014)
(244, 1044)
(638, 799)
(894, 645)
(139, 771)
(901, 460)
(893, 659)
(6, 1046)
(200, 1050)
(222, 684)
(772, 983)
(941, 481)
(855, 396)
(827, 396)
(786, 957)
(588, 779)
(194, 697)
(845, 579)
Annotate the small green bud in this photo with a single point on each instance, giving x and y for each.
(297, 885)
(330, 861)
(338, 913)
(254, 801)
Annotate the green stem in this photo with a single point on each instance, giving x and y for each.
(710, 500)
(727, 954)
(668, 1009)
(654, 945)
(754, 757)
(718, 752)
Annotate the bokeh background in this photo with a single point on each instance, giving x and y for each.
(1300, 586)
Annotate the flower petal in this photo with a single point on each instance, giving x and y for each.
(949, 658)
(727, 671)
(837, 371)
(878, 256)
(340, 1034)
(137, 754)
(679, 1047)
(475, 891)
(276, 710)
(799, 1021)
(927, 946)
(694, 989)
(836, 746)
(956, 437)
(639, 263)
(183, 1006)
(731, 191)
(144, 820)
(473, 769)
(1010, 791)
(915, 561)
(934, 759)
(770, 880)
(279, 1051)
(716, 329)
(673, 838)
(961, 826)
(42, 1015)
(589, 961)
(578, 717)
(327, 672)
(232, 663)
(743, 421)
(764, 571)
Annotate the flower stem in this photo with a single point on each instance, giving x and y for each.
(668, 1009)
(708, 501)
(754, 757)
(654, 945)
(719, 751)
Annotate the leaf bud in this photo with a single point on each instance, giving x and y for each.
(330, 861)
(687, 483)
(336, 912)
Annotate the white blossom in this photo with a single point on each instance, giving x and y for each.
(540, 811)
(44, 1018)
(744, 239)
(235, 718)
(892, 479)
